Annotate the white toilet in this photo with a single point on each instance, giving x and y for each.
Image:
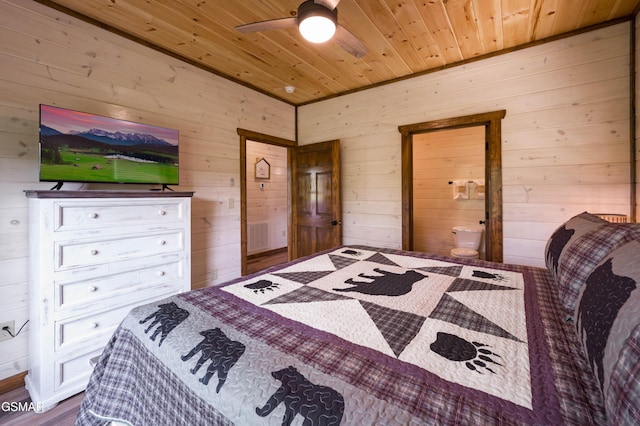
(467, 241)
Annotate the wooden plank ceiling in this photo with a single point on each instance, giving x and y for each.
(404, 37)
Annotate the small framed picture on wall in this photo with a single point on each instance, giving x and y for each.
(263, 169)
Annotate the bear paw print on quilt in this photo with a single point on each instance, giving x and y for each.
(607, 319)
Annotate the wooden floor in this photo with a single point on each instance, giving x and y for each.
(63, 414)
(257, 262)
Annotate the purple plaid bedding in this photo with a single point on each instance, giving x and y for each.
(353, 335)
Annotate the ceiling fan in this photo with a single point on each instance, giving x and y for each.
(317, 21)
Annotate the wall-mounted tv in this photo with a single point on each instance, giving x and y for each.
(81, 147)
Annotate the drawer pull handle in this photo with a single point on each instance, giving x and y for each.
(93, 215)
(93, 288)
(162, 242)
(94, 325)
(162, 212)
(94, 252)
(161, 273)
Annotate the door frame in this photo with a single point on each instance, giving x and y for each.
(246, 135)
(493, 175)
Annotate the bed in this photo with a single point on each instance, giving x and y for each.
(363, 335)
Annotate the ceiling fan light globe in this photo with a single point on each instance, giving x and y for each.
(317, 29)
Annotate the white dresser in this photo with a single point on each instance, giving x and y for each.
(94, 255)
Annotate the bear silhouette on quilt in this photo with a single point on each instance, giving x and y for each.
(319, 405)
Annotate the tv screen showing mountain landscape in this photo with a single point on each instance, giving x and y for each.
(82, 147)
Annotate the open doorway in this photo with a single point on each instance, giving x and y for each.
(448, 187)
(267, 205)
(491, 124)
(265, 188)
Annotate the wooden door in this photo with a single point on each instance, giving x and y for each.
(317, 215)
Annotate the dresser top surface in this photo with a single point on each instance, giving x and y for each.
(106, 194)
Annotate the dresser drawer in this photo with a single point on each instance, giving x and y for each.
(86, 252)
(74, 370)
(89, 329)
(94, 328)
(74, 215)
(76, 294)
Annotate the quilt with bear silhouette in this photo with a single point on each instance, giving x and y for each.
(353, 335)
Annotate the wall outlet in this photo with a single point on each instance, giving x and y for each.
(3, 333)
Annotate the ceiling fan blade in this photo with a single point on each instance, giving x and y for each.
(273, 24)
(329, 4)
(349, 42)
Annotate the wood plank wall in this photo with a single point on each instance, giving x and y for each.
(268, 204)
(50, 58)
(440, 158)
(565, 137)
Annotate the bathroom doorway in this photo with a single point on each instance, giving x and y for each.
(448, 187)
(488, 125)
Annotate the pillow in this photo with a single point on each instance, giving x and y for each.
(584, 254)
(608, 325)
(568, 232)
(560, 242)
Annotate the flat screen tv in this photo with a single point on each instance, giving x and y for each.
(81, 147)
